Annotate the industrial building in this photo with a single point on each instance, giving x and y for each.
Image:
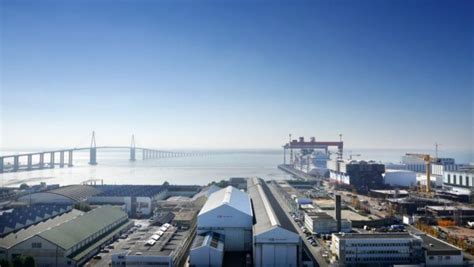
(457, 194)
(70, 194)
(410, 205)
(207, 250)
(404, 178)
(136, 198)
(182, 213)
(396, 193)
(161, 246)
(439, 169)
(417, 164)
(323, 223)
(376, 248)
(463, 177)
(74, 241)
(360, 175)
(12, 239)
(139, 200)
(435, 180)
(275, 241)
(228, 212)
(17, 218)
(458, 214)
(292, 195)
(440, 253)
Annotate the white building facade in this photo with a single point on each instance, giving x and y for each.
(460, 178)
(273, 244)
(229, 213)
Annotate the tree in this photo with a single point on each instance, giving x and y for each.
(29, 262)
(82, 207)
(24, 186)
(166, 183)
(4, 263)
(17, 261)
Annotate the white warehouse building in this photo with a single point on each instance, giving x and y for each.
(207, 250)
(273, 244)
(228, 212)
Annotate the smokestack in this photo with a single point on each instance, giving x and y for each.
(338, 213)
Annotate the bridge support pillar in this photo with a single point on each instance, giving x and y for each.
(41, 161)
(69, 158)
(30, 162)
(93, 156)
(61, 159)
(1, 164)
(132, 154)
(51, 160)
(16, 163)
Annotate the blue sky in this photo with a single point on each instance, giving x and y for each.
(237, 74)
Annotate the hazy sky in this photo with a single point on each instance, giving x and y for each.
(237, 74)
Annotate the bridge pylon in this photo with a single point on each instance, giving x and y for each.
(132, 149)
(93, 151)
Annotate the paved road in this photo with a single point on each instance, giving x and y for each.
(284, 210)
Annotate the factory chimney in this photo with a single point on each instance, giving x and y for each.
(338, 213)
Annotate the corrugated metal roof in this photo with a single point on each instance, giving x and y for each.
(76, 192)
(74, 231)
(14, 238)
(230, 196)
(264, 216)
(214, 240)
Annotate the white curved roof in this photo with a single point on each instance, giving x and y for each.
(229, 196)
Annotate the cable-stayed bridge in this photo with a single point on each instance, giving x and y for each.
(48, 159)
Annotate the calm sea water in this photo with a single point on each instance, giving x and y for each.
(115, 168)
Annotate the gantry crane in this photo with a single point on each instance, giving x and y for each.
(428, 160)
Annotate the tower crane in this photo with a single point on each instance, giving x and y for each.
(428, 160)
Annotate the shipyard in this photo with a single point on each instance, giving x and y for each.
(208, 133)
(332, 200)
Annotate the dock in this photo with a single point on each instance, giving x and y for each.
(297, 173)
